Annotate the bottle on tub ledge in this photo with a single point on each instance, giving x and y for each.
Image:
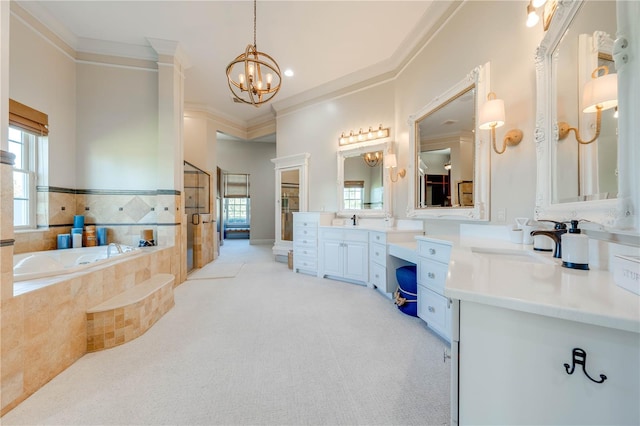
(146, 238)
(90, 239)
(76, 237)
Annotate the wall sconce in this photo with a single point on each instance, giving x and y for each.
(599, 94)
(361, 136)
(492, 116)
(372, 159)
(391, 163)
(447, 165)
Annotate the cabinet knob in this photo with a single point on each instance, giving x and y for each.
(431, 275)
(377, 254)
(377, 237)
(304, 232)
(377, 276)
(432, 251)
(432, 309)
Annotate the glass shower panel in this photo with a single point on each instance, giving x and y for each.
(196, 202)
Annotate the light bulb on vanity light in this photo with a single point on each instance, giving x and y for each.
(538, 3)
(532, 16)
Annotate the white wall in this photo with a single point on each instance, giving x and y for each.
(253, 158)
(316, 129)
(479, 32)
(44, 77)
(117, 128)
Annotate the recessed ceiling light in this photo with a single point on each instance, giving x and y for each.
(288, 72)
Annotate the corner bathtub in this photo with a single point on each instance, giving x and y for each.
(41, 264)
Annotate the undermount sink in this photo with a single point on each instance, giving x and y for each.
(514, 255)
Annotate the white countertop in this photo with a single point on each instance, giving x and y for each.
(540, 288)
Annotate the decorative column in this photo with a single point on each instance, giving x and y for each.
(172, 63)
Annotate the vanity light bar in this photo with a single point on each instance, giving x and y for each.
(361, 136)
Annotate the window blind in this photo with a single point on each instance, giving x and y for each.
(236, 185)
(28, 119)
(354, 184)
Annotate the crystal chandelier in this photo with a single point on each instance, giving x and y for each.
(259, 75)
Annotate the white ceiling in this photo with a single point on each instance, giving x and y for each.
(328, 44)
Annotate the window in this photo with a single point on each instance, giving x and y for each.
(236, 199)
(28, 128)
(23, 146)
(353, 194)
(237, 211)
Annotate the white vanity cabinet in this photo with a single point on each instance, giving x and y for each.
(520, 357)
(305, 239)
(433, 264)
(344, 254)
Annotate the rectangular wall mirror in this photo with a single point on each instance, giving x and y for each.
(362, 185)
(450, 165)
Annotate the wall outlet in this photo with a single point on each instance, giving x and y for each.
(502, 215)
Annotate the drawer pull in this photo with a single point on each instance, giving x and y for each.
(432, 251)
(377, 254)
(432, 309)
(305, 231)
(431, 275)
(377, 276)
(377, 237)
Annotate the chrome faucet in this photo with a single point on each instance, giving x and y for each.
(116, 245)
(354, 218)
(555, 234)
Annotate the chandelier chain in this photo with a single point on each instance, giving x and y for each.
(254, 24)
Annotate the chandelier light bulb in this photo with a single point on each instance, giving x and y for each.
(538, 3)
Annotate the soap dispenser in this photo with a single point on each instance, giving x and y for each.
(575, 248)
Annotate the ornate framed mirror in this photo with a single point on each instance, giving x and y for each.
(449, 168)
(580, 175)
(362, 185)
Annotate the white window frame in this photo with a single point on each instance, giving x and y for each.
(29, 143)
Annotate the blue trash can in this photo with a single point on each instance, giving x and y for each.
(406, 296)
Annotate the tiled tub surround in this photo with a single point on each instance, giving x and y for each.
(125, 213)
(130, 313)
(44, 325)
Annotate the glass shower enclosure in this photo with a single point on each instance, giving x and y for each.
(196, 202)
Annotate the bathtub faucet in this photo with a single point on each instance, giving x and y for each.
(116, 245)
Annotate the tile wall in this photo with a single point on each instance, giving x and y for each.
(124, 213)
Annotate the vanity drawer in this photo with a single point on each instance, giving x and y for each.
(432, 274)
(305, 232)
(378, 237)
(302, 223)
(310, 242)
(305, 262)
(378, 253)
(433, 309)
(378, 275)
(439, 252)
(299, 250)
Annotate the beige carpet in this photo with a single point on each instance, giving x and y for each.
(216, 269)
(267, 347)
